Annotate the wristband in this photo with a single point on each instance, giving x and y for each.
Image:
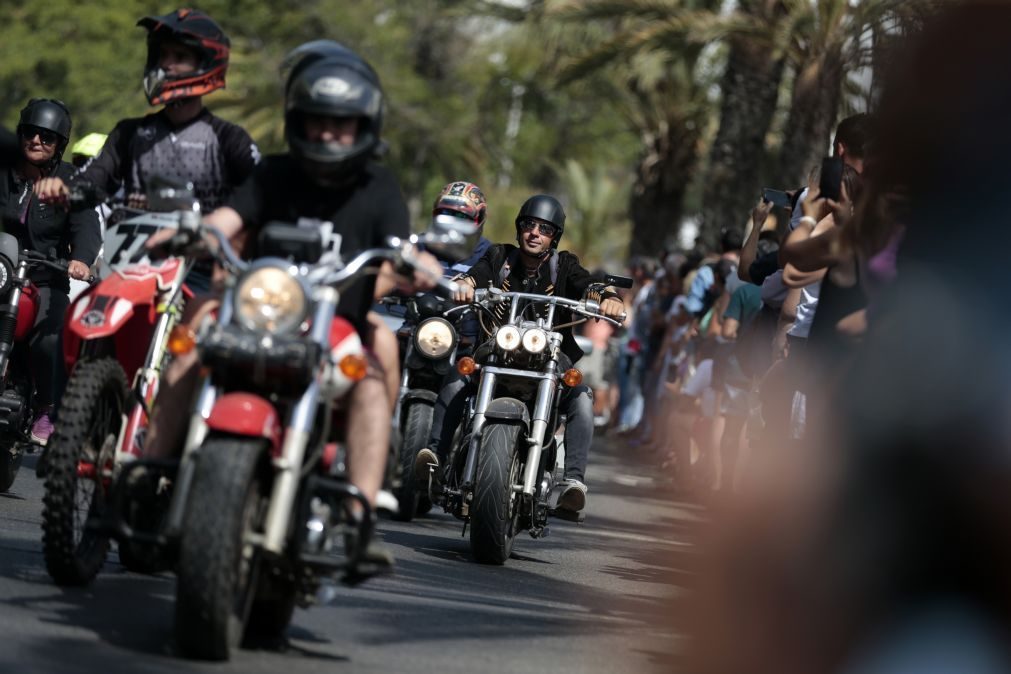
(808, 220)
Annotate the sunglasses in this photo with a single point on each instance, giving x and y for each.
(46, 137)
(543, 228)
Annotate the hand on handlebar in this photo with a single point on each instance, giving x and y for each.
(613, 308)
(52, 191)
(464, 291)
(78, 270)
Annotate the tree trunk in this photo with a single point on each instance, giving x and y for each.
(750, 89)
(662, 176)
(813, 110)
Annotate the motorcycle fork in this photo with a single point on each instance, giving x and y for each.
(10, 313)
(288, 464)
(539, 426)
(484, 396)
(145, 383)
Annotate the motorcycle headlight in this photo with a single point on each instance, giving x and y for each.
(534, 340)
(435, 337)
(271, 299)
(507, 338)
(6, 275)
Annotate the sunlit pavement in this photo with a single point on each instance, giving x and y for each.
(595, 597)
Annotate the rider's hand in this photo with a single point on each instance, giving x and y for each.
(159, 237)
(78, 270)
(613, 308)
(465, 290)
(52, 191)
(137, 200)
(427, 271)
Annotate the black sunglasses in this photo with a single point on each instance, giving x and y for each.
(46, 137)
(544, 228)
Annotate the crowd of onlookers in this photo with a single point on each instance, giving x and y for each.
(855, 350)
(727, 348)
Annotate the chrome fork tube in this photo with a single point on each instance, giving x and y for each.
(14, 299)
(288, 466)
(484, 394)
(538, 430)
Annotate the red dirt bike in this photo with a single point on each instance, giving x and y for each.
(19, 307)
(115, 346)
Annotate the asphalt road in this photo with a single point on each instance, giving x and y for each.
(589, 598)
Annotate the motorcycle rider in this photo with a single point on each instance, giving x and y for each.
(187, 57)
(43, 131)
(327, 180)
(535, 266)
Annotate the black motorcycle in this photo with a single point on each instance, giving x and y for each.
(428, 348)
(502, 472)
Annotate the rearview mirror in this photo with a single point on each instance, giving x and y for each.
(616, 281)
(451, 238)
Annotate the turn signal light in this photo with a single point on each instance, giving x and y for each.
(181, 340)
(354, 367)
(572, 377)
(466, 366)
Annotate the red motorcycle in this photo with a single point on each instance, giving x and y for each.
(115, 346)
(270, 514)
(19, 307)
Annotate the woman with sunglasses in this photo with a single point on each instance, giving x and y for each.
(43, 133)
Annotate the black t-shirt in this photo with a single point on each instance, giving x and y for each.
(360, 216)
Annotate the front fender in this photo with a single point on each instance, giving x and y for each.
(421, 394)
(508, 410)
(246, 415)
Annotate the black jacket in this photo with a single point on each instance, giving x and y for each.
(571, 282)
(74, 235)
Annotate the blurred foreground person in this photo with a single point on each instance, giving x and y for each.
(889, 549)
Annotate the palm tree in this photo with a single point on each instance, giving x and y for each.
(663, 97)
(749, 91)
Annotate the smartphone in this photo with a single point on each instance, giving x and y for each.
(776, 197)
(830, 185)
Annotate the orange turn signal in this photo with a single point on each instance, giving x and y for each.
(572, 377)
(466, 365)
(181, 340)
(354, 367)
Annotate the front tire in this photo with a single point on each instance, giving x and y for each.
(495, 511)
(85, 438)
(417, 426)
(218, 569)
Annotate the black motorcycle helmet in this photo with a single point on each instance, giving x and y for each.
(543, 207)
(197, 31)
(326, 78)
(51, 115)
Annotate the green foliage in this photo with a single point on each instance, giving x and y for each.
(570, 97)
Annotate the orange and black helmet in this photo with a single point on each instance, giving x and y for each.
(462, 199)
(197, 31)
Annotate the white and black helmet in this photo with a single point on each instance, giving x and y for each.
(326, 78)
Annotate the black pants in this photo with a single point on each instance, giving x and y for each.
(576, 404)
(46, 347)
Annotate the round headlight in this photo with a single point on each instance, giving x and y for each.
(6, 274)
(507, 338)
(271, 299)
(435, 337)
(534, 340)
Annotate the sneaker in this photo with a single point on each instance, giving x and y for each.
(422, 465)
(42, 429)
(573, 497)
